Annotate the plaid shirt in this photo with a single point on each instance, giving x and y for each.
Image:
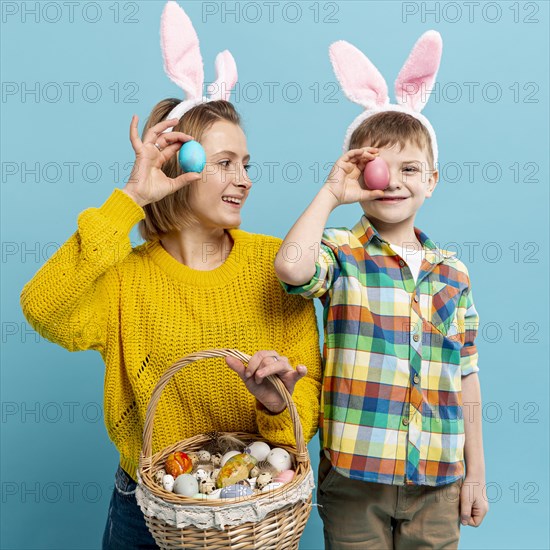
(394, 353)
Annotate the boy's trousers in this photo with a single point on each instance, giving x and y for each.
(359, 515)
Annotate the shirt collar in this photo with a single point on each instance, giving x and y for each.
(366, 233)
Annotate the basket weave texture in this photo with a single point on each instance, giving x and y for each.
(270, 521)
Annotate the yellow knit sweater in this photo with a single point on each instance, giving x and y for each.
(143, 310)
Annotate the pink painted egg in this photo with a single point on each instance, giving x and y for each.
(377, 174)
(285, 477)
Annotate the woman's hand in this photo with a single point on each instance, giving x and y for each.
(148, 183)
(262, 364)
(345, 179)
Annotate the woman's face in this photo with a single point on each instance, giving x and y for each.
(218, 197)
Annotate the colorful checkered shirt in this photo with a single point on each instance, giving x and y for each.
(394, 353)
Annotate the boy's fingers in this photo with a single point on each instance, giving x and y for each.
(360, 151)
(465, 509)
(370, 195)
(477, 516)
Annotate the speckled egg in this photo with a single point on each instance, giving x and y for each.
(204, 456)
(207, 486)
(216, 460)
(159, 476)
(252, 482)
(265, 478)
(186, 485)
(201, 474)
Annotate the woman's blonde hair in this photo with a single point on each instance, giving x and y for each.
(390, 128)
(173, 212)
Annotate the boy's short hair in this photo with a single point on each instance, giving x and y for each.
(389, 128)
(173, 212)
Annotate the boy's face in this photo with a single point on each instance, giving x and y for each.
(411, 182)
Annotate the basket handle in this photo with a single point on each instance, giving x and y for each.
(301, 454)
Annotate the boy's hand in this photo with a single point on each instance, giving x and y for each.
(345, 181)
(473, 505)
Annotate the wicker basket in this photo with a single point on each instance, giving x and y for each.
(280, 529)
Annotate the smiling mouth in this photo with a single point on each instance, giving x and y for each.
(392, 199)
(232, 200)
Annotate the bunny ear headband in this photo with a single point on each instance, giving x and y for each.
(363, 84)
(183, 62)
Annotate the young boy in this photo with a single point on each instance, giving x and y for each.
(399, 351)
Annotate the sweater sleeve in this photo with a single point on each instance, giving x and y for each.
(300, 343)
(69, 299)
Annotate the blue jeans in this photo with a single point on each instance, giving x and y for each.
(126, 528)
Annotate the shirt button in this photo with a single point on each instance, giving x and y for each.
(416, 337)
(401, 263)
(405, 421)
(416, 379)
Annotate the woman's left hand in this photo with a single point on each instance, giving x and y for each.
(262, 364)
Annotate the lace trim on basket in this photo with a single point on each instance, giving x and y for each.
(230, 514)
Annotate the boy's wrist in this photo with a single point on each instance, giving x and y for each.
(327, 198)
(476, 470)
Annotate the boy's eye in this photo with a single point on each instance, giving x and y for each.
(410, 169)
(247, 167)
(225, 163)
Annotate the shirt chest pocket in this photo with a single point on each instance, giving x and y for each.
(442, 308)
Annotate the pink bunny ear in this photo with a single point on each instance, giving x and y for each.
(359, 78)
(226, 76)
(417, 76)
(180, 50)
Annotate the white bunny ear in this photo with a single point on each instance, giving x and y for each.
(417, 76)
(359, 78)
(226, 76)
(180, 50)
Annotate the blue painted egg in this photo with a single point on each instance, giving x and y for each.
(236, 491)
(192, 157)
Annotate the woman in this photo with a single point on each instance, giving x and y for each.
(197, 282)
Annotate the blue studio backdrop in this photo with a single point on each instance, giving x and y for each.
(72, 76)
